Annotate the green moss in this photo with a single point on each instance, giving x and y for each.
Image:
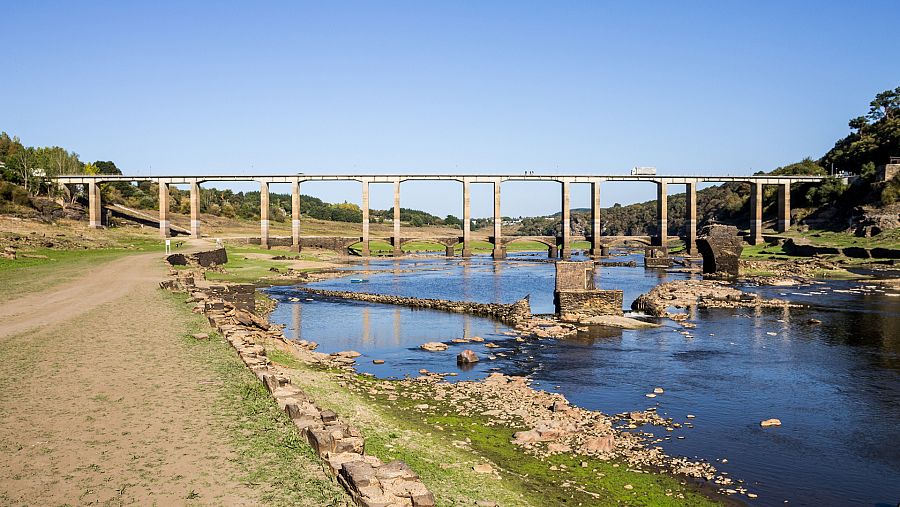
(401, 432)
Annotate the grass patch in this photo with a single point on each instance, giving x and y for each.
(40, 268)
(272, 457)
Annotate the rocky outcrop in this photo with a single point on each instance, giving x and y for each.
(721, 249)
(514, 313)
(703, 294)
(805, 248)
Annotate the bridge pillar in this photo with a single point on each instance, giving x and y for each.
(690, 219)
(552, 252)
(295, 215)
(499, 252)
(398, 251)
(596, 223)
(566, 231)
(195, 209)
(756, 198)
(784, 207)
(264, 214)
(467, 221)
(94, 205)
(164, 210)
(365, 217)
(448, 251)
(662, 214)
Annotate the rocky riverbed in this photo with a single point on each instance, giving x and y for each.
(681, 294)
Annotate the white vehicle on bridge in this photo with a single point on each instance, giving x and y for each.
(643, 171)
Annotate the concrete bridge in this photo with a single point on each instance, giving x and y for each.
(756, 183)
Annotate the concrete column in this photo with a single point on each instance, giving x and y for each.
(397, 250)
(365, 218)
(566, 231)
(596, 223)
(94, 206)
(499, 252)
(164, 210)
(295, 215)
(195, 210)
(467, 221)
(662, 214)
(264, 214)
(784, 207)
(756, 198)
(690, 219)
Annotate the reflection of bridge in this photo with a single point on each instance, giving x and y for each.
(564, 242)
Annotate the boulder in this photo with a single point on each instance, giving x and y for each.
(466, 357)
(433, 346)
(600, 445)
(770, 422)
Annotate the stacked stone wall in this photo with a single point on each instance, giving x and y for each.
(341, 446)
(588, 303)
(514, 313)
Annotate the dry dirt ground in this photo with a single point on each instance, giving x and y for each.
(100, 404)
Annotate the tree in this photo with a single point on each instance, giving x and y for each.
(885, 105)
(453, 221)
(107, 167)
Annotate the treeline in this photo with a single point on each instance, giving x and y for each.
(875, 137)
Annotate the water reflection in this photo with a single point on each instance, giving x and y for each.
(835, 385)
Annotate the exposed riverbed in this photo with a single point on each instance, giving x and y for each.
(835, 385)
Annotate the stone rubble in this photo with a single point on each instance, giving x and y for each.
(700, 293)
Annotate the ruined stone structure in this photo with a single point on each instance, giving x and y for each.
(657, 257)
(204, 259)
(514, 313)
(721, 249)
(565, 238)
(887, 172)
(575, 295)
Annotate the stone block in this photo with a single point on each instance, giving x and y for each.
(721, 249)
(588, 303)
(574, 275)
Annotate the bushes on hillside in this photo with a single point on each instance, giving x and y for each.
(14, 193)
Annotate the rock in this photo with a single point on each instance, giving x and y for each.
(200, 336)
(526, 437)
(483, 468)
(486, 503)
(658, 390)
(650, 395)
(434, 346)
(813, 321)
(629, 487)
(556, 447)
(476, 339)
(466, 357)
(349, 354)
(602, 444)
(770, 422)
(378, 361)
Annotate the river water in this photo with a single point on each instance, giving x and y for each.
(835, 386)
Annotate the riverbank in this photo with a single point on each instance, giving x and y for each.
(611, 465)
(111, 401)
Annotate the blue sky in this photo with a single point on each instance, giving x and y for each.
(568, 87)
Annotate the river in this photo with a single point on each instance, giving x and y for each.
(835, 385)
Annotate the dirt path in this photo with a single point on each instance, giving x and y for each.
(101, 405)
